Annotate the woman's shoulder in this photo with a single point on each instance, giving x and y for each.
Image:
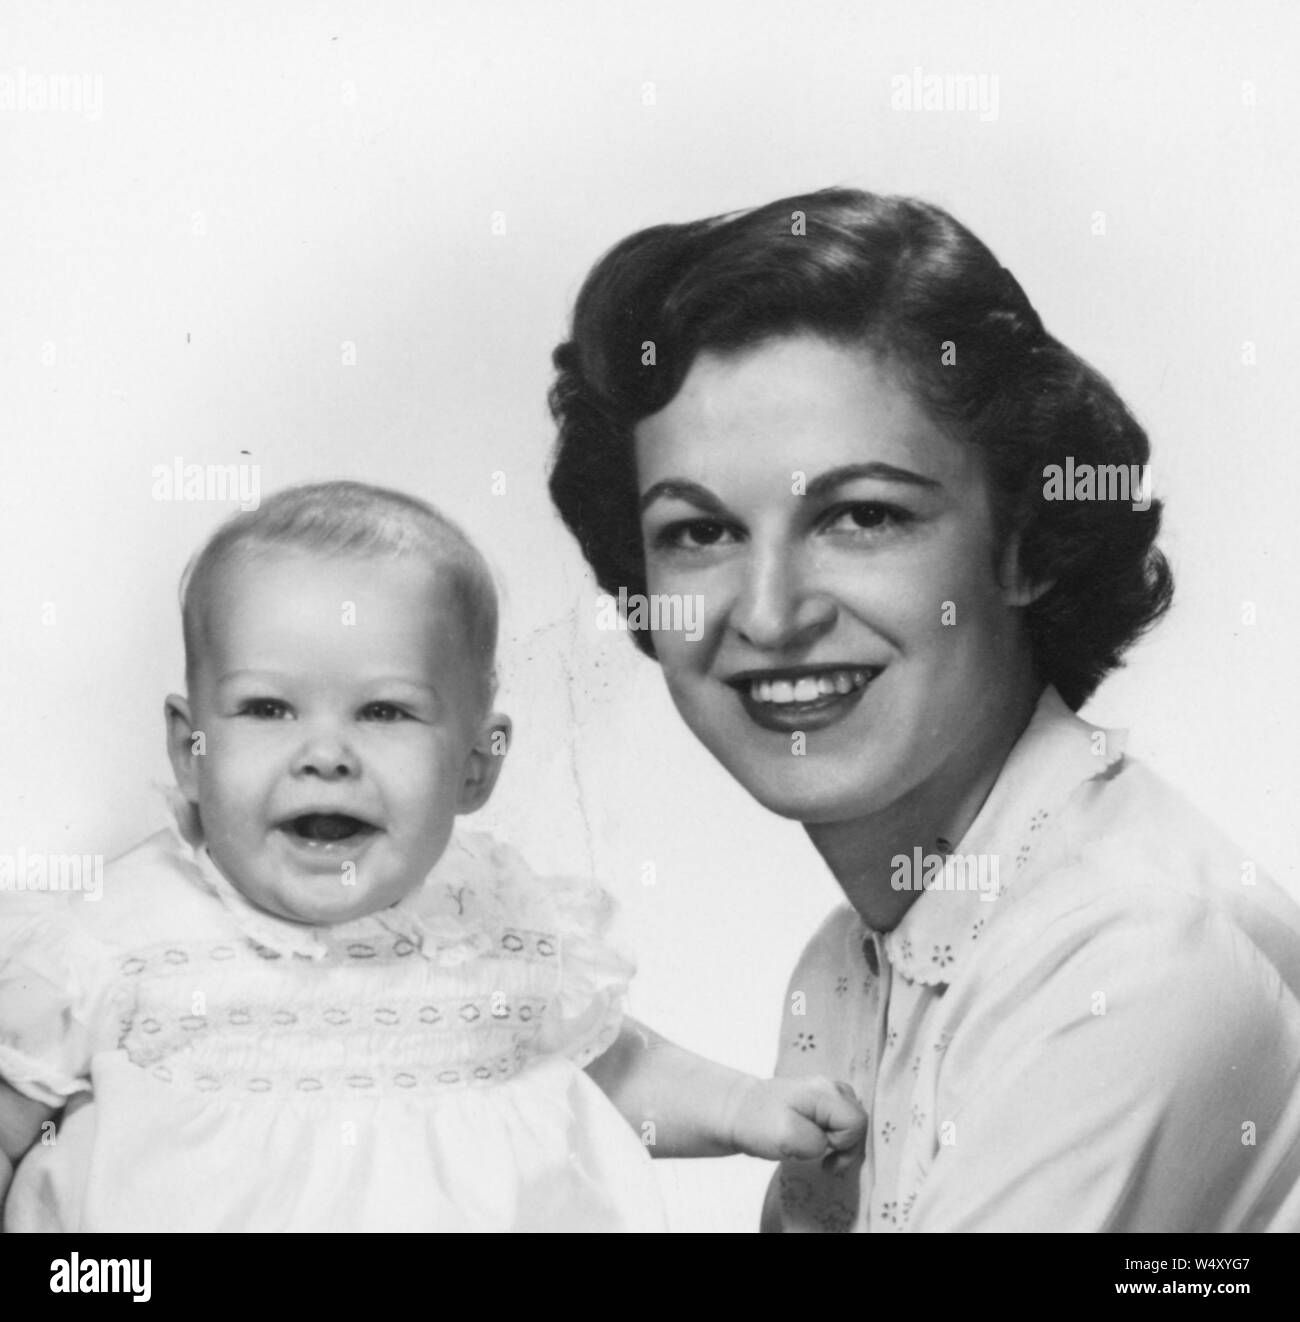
(1132, 840)
(1133, 873)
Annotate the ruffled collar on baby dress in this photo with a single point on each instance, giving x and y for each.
(454, 916)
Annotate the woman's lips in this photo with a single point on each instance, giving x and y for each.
(807, 699)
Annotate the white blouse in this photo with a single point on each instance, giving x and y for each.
(1109, 1040)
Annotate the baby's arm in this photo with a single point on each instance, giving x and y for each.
(20, 1125)
(702, 1109)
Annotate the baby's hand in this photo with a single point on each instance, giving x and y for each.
(799, 1119)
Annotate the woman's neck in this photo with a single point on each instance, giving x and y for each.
(932, 817)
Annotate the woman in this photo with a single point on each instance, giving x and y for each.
(837, 424)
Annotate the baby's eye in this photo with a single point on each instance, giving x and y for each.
(264, 709)
(383, 711)
(691, 535)
(865, 518)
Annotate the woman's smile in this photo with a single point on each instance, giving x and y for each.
(802, 697)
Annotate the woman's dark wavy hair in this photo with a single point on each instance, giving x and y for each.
(901, 278)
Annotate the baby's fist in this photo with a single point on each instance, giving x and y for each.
(800, 1119)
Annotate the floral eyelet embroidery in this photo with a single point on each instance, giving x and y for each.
(887, 1131)
(805, 1042)
(942, 956)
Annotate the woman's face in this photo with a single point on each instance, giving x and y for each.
(856, 640)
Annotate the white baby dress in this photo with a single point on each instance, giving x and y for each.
(419, 1069)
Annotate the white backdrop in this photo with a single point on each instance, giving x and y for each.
(345, 238)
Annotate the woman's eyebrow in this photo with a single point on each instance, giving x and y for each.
(837, 477)
(674, 488)
(680, 489)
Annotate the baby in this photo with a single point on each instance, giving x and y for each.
(313, 1006)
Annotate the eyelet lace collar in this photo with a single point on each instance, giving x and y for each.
(1058, 752)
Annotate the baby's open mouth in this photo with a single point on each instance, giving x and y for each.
(327, 828)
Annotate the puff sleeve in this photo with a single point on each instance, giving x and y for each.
(51, 976)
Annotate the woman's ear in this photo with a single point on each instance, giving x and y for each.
(184, 744)
(1018, 589)
(483, 765)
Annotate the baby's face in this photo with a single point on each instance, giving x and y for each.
(342, 715)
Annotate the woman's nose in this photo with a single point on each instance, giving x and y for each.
(780, 607)
(326, 754)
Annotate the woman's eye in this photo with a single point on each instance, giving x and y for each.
(691, 535)
(385, 712)
(265, 709)
(866, 517)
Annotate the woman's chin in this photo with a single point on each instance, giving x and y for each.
(812, 799)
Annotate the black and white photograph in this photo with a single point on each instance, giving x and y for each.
(650, 618)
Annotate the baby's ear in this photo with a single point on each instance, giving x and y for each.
(483, 765)
(184, 745)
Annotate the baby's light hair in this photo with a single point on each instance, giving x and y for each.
(348, 518)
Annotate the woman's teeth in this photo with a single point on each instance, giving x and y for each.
(808, 688)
